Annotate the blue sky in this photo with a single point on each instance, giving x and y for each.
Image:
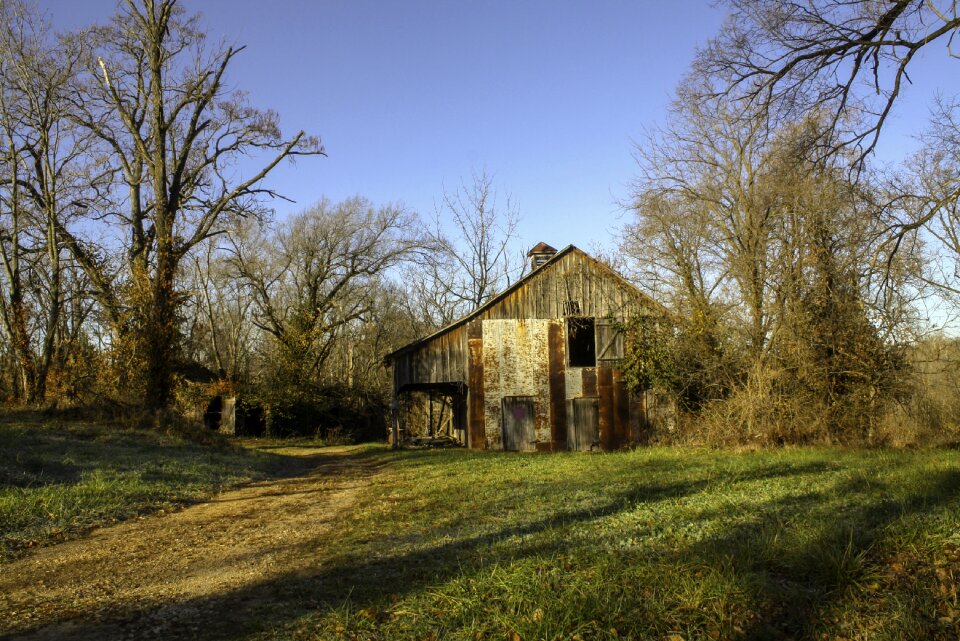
(409, 97)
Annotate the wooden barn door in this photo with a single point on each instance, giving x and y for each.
(518, 431)
(609, 343)
(583, 424)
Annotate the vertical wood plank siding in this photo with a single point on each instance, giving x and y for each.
(475, 427)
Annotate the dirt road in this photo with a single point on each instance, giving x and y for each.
(202, 572)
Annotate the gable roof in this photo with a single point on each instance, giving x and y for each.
(517, 285)
(542, 248)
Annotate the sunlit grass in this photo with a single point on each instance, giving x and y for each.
(662, 543)
(645, 545)
(58, 480)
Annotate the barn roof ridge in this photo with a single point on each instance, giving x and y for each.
(509, 290)
(542, 248)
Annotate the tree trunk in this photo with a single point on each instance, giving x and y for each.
(159, 338)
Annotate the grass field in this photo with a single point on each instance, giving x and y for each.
(650, 544)
(662, 544)
(59, 479)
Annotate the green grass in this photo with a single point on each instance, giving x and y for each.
(60, 479)
(650, 544)
(660, 543)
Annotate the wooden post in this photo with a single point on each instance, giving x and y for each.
(430, 400)
(395, 422)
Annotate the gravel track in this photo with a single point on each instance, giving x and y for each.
(202, 572)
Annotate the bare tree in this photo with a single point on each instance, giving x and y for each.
(706, 224)
(923, 207)
(318, 275)
(849, 57)
(157, 99)
(48, 170)
(471, 258)
(751, 235)
(222, 333)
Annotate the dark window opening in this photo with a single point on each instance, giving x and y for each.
(214, 413)
(581, 342)
(539, 260)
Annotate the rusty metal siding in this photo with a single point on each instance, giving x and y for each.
(515, 357)
(573, 384)
(589, 378)
(475, 392)
(556, 365)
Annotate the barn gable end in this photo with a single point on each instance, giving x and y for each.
(537, 367)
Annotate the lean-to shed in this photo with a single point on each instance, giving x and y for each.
(538, 366)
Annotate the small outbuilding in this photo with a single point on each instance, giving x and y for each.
(536, 368)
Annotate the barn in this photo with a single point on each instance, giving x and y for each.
(536, 368)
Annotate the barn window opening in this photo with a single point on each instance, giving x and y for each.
(581, 342)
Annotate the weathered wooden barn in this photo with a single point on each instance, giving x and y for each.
(537, 367)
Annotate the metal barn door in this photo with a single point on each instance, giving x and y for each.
(518, 432)
(583, 424)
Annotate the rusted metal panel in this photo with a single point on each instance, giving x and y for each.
(573, 383)
(605, 394)
(475, 392)
(589, 377)
(558, 388)
(515, 363)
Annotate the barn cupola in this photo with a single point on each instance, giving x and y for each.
(540, 254)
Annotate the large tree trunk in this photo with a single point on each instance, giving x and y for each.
(20, 339)
(159, 338)
(54, 306)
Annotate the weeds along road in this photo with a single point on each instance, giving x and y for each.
(203, 572)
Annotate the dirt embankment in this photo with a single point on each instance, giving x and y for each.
(202, 572)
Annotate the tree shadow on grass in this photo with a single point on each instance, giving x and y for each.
(364, 580)
(804, 578)
(367, 578)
